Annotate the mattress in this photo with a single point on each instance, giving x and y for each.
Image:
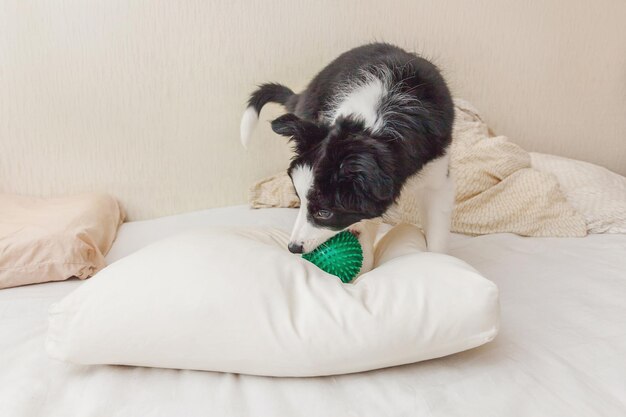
(561, 350)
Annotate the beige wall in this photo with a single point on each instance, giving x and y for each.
(143, 98)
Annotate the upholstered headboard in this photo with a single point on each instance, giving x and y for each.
(143, 99)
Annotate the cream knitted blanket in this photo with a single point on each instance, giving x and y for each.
(496, 188)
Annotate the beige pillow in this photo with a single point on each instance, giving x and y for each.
(496, 188)
(52, 239)
(597, 193)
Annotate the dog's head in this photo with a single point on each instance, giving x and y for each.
(341, 175)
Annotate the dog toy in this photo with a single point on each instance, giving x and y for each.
(341, 255)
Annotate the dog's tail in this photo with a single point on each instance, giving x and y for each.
(266, 93)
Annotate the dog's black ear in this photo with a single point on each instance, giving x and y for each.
(367, 177)
(303, 133)
(287, 124)
(381, 185)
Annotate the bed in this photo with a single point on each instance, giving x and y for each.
(559, 351)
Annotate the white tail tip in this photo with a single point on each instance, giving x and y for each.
(249, 121)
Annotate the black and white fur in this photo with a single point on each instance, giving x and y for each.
(373, 118)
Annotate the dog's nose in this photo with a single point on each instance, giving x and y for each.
(294, 247)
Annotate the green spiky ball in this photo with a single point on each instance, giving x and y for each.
(341, 255)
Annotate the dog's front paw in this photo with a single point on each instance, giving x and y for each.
(366, 232)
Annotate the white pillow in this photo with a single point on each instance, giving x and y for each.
(237, 301)
(595, 192)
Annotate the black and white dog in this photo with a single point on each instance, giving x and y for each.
(374, 117)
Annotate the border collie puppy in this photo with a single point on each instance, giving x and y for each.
(373, 118)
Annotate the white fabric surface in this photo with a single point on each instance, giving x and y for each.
(560, 351)
(594, 191)
(236, 300)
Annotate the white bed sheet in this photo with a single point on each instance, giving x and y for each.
(561, 350)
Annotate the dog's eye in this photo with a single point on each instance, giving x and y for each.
(324, 214)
